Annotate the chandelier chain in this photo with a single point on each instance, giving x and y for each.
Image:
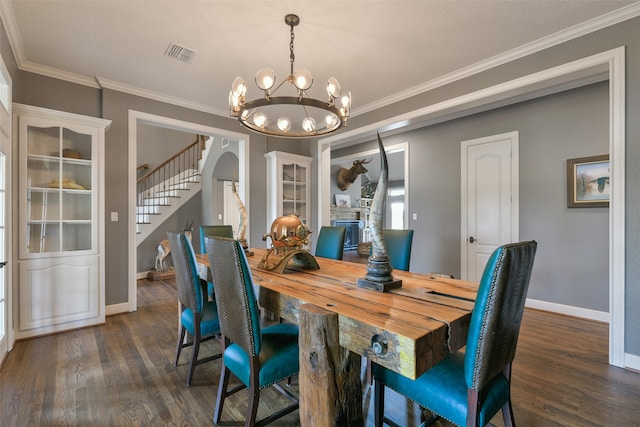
(292, 55)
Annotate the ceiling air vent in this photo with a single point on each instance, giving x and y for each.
(180, 53)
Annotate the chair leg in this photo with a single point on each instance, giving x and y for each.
(183, 332)
(507, 414)
(194, 355)
(222, 393)
(472, 407)
(254, 399)
(378, 404)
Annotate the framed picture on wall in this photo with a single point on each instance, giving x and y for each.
(588, 182)
(343, 201)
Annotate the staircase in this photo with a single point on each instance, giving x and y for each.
(163, 190)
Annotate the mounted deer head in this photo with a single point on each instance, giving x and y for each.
(346, 177)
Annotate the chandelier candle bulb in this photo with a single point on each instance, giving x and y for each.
(265, 78)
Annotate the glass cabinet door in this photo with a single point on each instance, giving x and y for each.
(288, 179)
(294, 190)
(59, 181)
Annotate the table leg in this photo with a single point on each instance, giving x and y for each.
(330, 384)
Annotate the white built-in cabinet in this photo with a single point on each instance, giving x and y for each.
(288, 186)
(60, 236)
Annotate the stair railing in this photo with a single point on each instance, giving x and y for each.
(158, 185)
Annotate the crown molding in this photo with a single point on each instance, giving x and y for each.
(156, 96)
(8, 19)
(615, 17)
(56, 73)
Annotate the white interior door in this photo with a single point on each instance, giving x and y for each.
(5, 208)
(489, 199)
(231, 210)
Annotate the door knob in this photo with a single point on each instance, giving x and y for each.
(471, 239)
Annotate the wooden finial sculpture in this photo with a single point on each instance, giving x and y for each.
(243, 219)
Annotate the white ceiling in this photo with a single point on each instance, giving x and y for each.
(379, 50)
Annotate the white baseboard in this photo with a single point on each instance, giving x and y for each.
(585, 313)
(142, 275)
(632, 361)
(117, 308)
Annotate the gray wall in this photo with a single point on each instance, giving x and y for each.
(47, 92)
(156, 144)
(221, 164)
(571, 265)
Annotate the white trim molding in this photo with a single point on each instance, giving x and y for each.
(568, 310)
(160, 97)
(632, 361)
(112, 309)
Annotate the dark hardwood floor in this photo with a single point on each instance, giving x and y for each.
(121, 374)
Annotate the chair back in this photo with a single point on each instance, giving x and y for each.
(330, 242)
(185, 265)
(214, 230)
(497, 313)
(235, 296)
(398, 244)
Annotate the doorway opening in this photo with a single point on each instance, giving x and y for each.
(139, 118)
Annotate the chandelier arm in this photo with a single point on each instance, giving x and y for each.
(278, 87)
(306, 113)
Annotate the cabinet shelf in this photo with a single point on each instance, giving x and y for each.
(68, 160)
(61, 190)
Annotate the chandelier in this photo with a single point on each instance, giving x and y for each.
(296, 116)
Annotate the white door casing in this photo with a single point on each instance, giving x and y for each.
(6, 225)
(489, 203)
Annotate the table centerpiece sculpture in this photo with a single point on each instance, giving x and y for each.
(379, 277)
(289, 240)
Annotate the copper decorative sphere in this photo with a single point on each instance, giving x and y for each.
(288, 231)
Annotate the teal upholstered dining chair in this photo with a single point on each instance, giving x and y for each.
(198, 316)
(213, 230)
(398, 244)
(259, 357)
(469, 387)
(330, 242)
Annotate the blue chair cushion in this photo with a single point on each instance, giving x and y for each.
(443, 390)
(209, 323)
(279, 357)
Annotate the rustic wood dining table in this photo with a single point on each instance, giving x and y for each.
(407, 330)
